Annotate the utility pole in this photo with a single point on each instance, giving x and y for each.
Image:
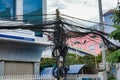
(60, 50)
(101, 15)
(103, 48)
(60, 59)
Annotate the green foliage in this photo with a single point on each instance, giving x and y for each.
(99, 58)
(76, 59)
(116, 19)
(116, 33)
(116, 16)
(113, 56)
(47, 61)
(111, 77)
(73, 59)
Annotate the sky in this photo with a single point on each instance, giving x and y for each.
(83, 9)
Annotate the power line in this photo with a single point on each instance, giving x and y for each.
(86, 20)
(46, 26)
(85, 28)
(55, 14)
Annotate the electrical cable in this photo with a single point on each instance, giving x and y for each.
(85, 20)
(85, 28)
(65, 19)
(61, 29)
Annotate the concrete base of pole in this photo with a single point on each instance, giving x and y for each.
(103, 75)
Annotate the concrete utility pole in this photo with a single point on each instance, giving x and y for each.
(103, 48)
(102, 29)
(101, 15)
(60, 50)
(60, 62)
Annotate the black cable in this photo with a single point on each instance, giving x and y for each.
(73, 28)
(30, 27)
(30, 15)
(85, 20)
(85, 28)
(106, 40)
(55, 72)
(65, 20)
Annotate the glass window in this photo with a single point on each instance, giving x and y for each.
(32, 10)
(7, 9)
(91, 47)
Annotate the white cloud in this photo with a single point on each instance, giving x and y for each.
(109, 4)
(85, 9)
(56, 4)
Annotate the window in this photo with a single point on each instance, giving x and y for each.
(32, 9)
(91, 47)
(7, 9)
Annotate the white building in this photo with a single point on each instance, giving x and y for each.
(20, 50)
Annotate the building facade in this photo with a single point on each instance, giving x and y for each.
(27, 11)
(109, 29)
(87, 43)
(20, 52)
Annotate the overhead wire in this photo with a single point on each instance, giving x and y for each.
(16, 17)
(61, 15)
(47, 24)
(28, 15)
(85, 28)
(73, 28)
(75, 22)
(86, 20)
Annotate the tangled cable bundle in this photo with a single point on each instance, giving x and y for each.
(60, 31)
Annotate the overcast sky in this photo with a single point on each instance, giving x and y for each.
(84, 9)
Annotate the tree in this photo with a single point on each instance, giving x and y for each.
(116, 20)
(114, 55)
(73, 59)
(47, 62)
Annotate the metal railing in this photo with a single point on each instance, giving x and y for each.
(27, 77)
(49, 77)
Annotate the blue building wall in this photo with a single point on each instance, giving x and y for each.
(108, 29)
(108, 20)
